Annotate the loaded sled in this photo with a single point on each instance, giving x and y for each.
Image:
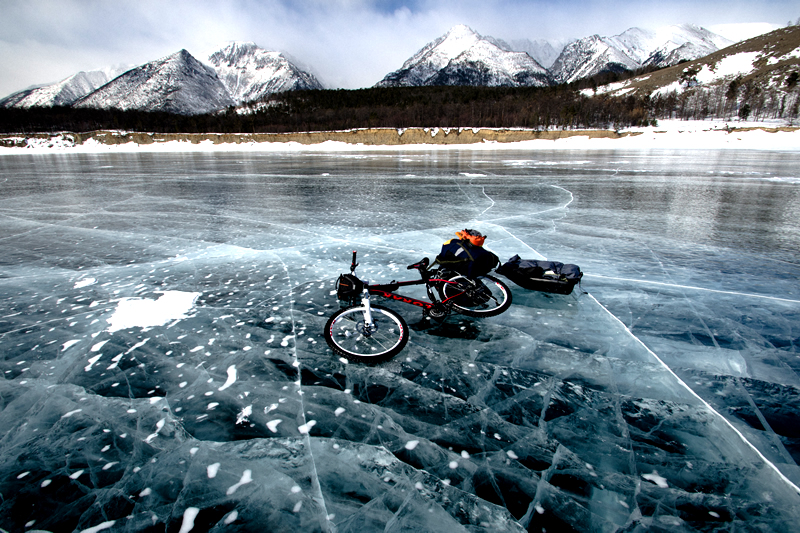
(545, 276)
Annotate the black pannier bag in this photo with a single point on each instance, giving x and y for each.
(349, 287)
(467, 259)
(546, 276)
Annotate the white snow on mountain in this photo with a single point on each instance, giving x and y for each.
(635, 48)
(250, 73)
(589, 56)
(463, 57)
(759, 73)
(727, 68)
(178, 83)
(64, 92)
(685, 42)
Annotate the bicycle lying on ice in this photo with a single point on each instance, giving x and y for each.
(372, 333)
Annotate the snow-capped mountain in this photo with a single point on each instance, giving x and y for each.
(633, 49)
(669, 45)
(178, 83)
(63, 93)
(763, 68)
(462, 57)
(589, 56)
(250, 73)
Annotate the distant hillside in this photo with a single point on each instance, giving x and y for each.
(65, 92)
(756, 78)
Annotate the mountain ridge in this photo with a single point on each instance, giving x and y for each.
(250, 73)
(64, 92)
(177, 83)
(242, 72)
(757, 75)
(634, 48)
(464, 57)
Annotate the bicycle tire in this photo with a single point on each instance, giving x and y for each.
(344, 333)
(481, 296)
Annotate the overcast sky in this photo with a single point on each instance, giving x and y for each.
(346, 43)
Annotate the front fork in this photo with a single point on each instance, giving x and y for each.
(368, 325)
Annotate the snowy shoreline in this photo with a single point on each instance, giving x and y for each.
(667, 135)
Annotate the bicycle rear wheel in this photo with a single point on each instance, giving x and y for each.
(346, 334)
(481, 296)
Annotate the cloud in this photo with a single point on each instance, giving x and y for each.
(347, 43)
(742, 31)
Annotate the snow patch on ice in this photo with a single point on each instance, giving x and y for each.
(99, 527)
(68, 344)
(246, 478)
(188, 519)
(244, 415)
(231, 378)
(144, 313)
(655, 478)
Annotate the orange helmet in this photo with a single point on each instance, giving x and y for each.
(471, 235)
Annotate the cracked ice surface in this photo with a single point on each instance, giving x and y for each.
(164, 367)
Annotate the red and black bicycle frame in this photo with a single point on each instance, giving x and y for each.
(387, 290)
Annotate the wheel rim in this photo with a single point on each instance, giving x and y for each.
(347, 331)
(488, 296)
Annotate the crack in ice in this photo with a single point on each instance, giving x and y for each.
(776, 440)
(654, 355)
(690, 287)
(708, 406)
(307, 424)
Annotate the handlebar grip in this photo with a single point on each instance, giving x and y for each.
(353, 265)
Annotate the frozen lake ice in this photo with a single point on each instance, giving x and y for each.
(161, 323)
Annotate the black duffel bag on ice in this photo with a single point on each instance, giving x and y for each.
(546, 276)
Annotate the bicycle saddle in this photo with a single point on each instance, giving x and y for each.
(420, 265)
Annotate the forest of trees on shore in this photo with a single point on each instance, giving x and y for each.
(545, 108)
(326, 110)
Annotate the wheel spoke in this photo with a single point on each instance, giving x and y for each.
(346, 333)
(482, 296)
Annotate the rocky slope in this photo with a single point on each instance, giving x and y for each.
(178, 83)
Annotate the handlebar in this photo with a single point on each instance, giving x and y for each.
(353, 265)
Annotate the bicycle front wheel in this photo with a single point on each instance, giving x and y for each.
(481, 296)
(347, 334)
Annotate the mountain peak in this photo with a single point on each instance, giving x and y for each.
(250, 72)
(232, 52)
(462, 30)
(464, 57)
(177, 83)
